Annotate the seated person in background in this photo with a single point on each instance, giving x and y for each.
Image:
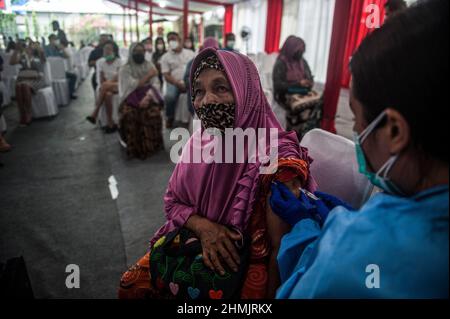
(292, 87)
(397, 244)
(230, 41)
(140, 105)
(189, 43)
(222, 208)
(96, 55)
(30, 78)
(173, 65)
(392, 7)
(56, 49)
(148, 45)
(108, 67)
(159, 51)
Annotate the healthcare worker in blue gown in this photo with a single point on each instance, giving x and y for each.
(396, 245)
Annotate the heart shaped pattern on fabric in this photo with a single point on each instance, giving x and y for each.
(174, 288)
(193, 292)
(216, 294)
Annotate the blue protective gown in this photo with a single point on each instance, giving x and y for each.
(393, 247)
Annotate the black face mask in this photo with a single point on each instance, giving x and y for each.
(138, 58)
(298, 55)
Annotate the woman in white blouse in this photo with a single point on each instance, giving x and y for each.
(108, 68)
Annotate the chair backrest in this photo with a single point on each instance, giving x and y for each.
(268, 62)
(9, 71)
(47, 74)
(123, 52)
(252, 57)
(85, 52)
(97, 74)
(72, 50)
(57, 68)
(335, 167)
(266, 70)
(259, 60)
(77, 58)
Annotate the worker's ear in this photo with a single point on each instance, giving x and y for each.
(397, 130)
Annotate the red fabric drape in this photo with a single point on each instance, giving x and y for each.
(358, 31)
(349, 27)
(273, 27)
(334, 73)
(227, 21)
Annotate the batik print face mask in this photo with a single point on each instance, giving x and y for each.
(217, 115)
(214, 115)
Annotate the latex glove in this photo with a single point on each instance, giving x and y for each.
(288, 207)
(325, 204)
(332, 201)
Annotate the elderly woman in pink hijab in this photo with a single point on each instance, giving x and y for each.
(220, 239)
(209, 42)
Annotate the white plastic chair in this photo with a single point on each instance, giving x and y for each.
(280, 113)
(3, 126)
(266, 70)
(6, 94)
(84, 56)
(252, 57)
(9, 74)
(259, 60)
(43, 103)
(335, 167)
(102, 117)
(182, 113)
(59, 82)
(78, 68)
(123, 52)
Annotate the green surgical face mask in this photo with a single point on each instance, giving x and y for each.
(379, 178)
(110, 57)
(230, 44)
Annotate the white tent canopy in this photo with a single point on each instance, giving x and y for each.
(175, 7)
(70, 6)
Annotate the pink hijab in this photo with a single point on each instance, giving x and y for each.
(222, 192)
(210, 42)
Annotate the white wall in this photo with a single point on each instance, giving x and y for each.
(252, 14)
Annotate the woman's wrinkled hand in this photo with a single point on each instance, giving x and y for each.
(217, 244)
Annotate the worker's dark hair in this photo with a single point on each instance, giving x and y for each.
(54, 22)
(399, 66)
(172, 33)
(395, 5)
(230, 35)
(160, 39)
(115, 47)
